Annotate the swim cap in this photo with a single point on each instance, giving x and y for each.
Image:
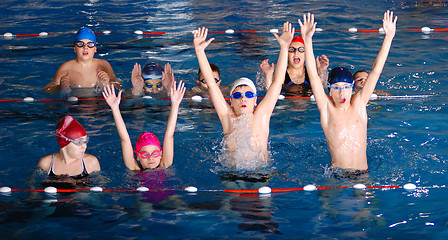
(243, 82)
(152, 70)
(146, 139)
(298, 39)
(340, 74)
(70, 128)
(85, 33)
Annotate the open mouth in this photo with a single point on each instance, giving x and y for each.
(243, 106)
(296, 60)
(342, 100)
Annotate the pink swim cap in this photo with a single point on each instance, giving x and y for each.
(298, 39)
(146, 139)
(70, 128)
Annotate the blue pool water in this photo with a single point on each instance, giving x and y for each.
(407, 138)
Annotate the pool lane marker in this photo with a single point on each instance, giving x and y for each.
(425, 30)
(196, 98)
(193, 189)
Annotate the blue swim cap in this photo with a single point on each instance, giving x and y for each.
(152, 70)
(340, 74)
(85, 33)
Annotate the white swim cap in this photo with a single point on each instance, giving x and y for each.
(243, 82)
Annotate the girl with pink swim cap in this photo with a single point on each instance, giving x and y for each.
(71, 162)
(147, 148)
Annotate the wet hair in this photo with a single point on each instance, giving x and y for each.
(360, 71)
(214, 69)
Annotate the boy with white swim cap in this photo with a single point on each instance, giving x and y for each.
(243, 104)
(153, 78)
(345, 122)
(85, 71)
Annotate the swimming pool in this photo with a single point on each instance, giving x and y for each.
(407, 137)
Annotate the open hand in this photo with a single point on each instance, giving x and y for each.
(200, 39)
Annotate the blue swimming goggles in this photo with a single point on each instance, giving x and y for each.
(248, 94)
(150, 85)
(336, 87)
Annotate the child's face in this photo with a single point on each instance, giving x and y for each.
(360, 79)
(243, 105)
(296, 58)
(85, 52)
(153, 85)
(201, 80)
(152, 161)
(342, 96)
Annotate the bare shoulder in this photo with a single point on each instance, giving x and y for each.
(45, 163)
(92, 163)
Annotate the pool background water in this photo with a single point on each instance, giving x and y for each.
(407, 138)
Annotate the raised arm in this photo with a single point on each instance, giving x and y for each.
(126, 145)
(308, 27)
(268, 71)
(221, 106)
(167, 77)
(267, 105)
(168, 141)
(389, 27)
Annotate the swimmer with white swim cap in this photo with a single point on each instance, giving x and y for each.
(343, 117)
(243, 103)
(85, 71)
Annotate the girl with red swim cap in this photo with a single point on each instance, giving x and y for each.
(71, 161)
(297, 83)
(147, 148)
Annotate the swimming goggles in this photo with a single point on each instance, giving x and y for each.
(337, 87)
(78, 142)
(216, 80)
(146, 155)
(81, 44)
(248, 94)
(293, 49)
(150, 85)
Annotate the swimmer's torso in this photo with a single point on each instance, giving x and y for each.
(83, 76)
(247, 143)
(346, 135)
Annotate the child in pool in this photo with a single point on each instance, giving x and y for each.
(152, 79)
(147, 147)
(360, 78)
(85, 71)
(71, 162)
(345, 122)
(243, 114)
(296, 79)
(202, 89)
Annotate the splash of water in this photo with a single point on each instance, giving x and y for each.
(240, 151)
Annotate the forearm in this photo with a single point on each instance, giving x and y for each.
(380, 60)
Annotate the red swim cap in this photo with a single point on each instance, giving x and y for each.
(298, 39)
(70, 128)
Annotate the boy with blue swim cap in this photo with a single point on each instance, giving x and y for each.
(85, 71)
(153, 78)
(343, 117)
